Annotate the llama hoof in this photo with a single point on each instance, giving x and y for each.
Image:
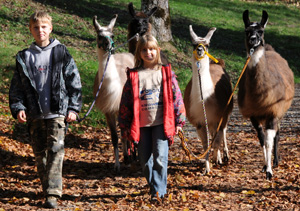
(264, 169)
(225, 159)
(275, 163)
(117, 168)
(269, 175)
(127, 160)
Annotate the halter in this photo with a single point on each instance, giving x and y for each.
(198, 58)
(112, 44)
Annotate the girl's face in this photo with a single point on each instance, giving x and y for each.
(149, 55)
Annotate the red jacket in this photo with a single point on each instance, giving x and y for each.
(174, 111)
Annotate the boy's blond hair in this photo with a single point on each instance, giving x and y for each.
(145, 40)
(40, 16)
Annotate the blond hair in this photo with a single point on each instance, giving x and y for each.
(143, 41)
(40, 16)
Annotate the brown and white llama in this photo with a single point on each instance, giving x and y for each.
(108, 101)
(216, 88)
(266, 89)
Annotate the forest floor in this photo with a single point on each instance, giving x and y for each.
(90, 182)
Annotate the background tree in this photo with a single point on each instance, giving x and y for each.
(161, 20)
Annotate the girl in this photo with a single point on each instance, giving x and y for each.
(151, 112)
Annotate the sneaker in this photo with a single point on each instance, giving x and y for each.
(51, 202)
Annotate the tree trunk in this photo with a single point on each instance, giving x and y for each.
(160, 20)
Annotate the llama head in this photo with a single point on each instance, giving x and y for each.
(104, 33)
(255, 30)
(201, 43)
(140, 22)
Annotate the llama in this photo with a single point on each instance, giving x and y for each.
(138, 25)
(216, 88)
(266, 89)
(110, 93)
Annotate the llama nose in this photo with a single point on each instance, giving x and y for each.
(253, 39)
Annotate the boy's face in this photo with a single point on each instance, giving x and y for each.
(41, 30)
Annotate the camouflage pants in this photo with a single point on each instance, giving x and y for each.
(47, 140)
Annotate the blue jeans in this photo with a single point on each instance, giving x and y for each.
(153, 154)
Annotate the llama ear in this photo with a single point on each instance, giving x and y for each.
(96, 24)
(246, 18)
(112, 22)
(210, 34)
(131, 10)
(194, 36)
(264, 19)
(151, 12)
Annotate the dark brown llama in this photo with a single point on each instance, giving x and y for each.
(140, 24)
(266, 89)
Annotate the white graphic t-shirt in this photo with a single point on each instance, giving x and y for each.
(151, 97)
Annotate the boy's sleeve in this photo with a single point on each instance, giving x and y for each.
(73, 85)
(179, 109)
(16, 95)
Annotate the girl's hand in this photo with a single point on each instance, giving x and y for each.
(22, 116)
(177, 129)
(71, 117)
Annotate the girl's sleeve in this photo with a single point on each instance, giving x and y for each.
(179, 109)
(126, 112)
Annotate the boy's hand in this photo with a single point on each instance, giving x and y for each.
(71, 117)
(177, 129)
(22, 116)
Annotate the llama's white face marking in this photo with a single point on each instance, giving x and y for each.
(256, 57)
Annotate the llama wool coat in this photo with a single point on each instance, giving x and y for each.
(174, 110)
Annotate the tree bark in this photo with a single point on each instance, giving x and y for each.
(160, 20)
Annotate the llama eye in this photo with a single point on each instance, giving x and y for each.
(260, 32)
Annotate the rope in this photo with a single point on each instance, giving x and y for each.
(203, 104)
(184, 139)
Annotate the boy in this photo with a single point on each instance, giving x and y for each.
(45, 93)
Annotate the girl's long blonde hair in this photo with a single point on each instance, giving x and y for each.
(143, 41)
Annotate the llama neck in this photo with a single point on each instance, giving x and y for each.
(111, 73)
(207, 86)
(258, 55)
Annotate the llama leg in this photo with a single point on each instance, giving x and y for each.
(276, 151)
(225, 149)
(270, 139)
(111, 122)
(216, 146)
(261, 136)
(202, 134)
(260, 133)
(126, 151)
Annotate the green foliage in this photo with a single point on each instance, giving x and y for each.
(72, 21)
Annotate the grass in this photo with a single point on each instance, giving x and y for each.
(73, 27)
